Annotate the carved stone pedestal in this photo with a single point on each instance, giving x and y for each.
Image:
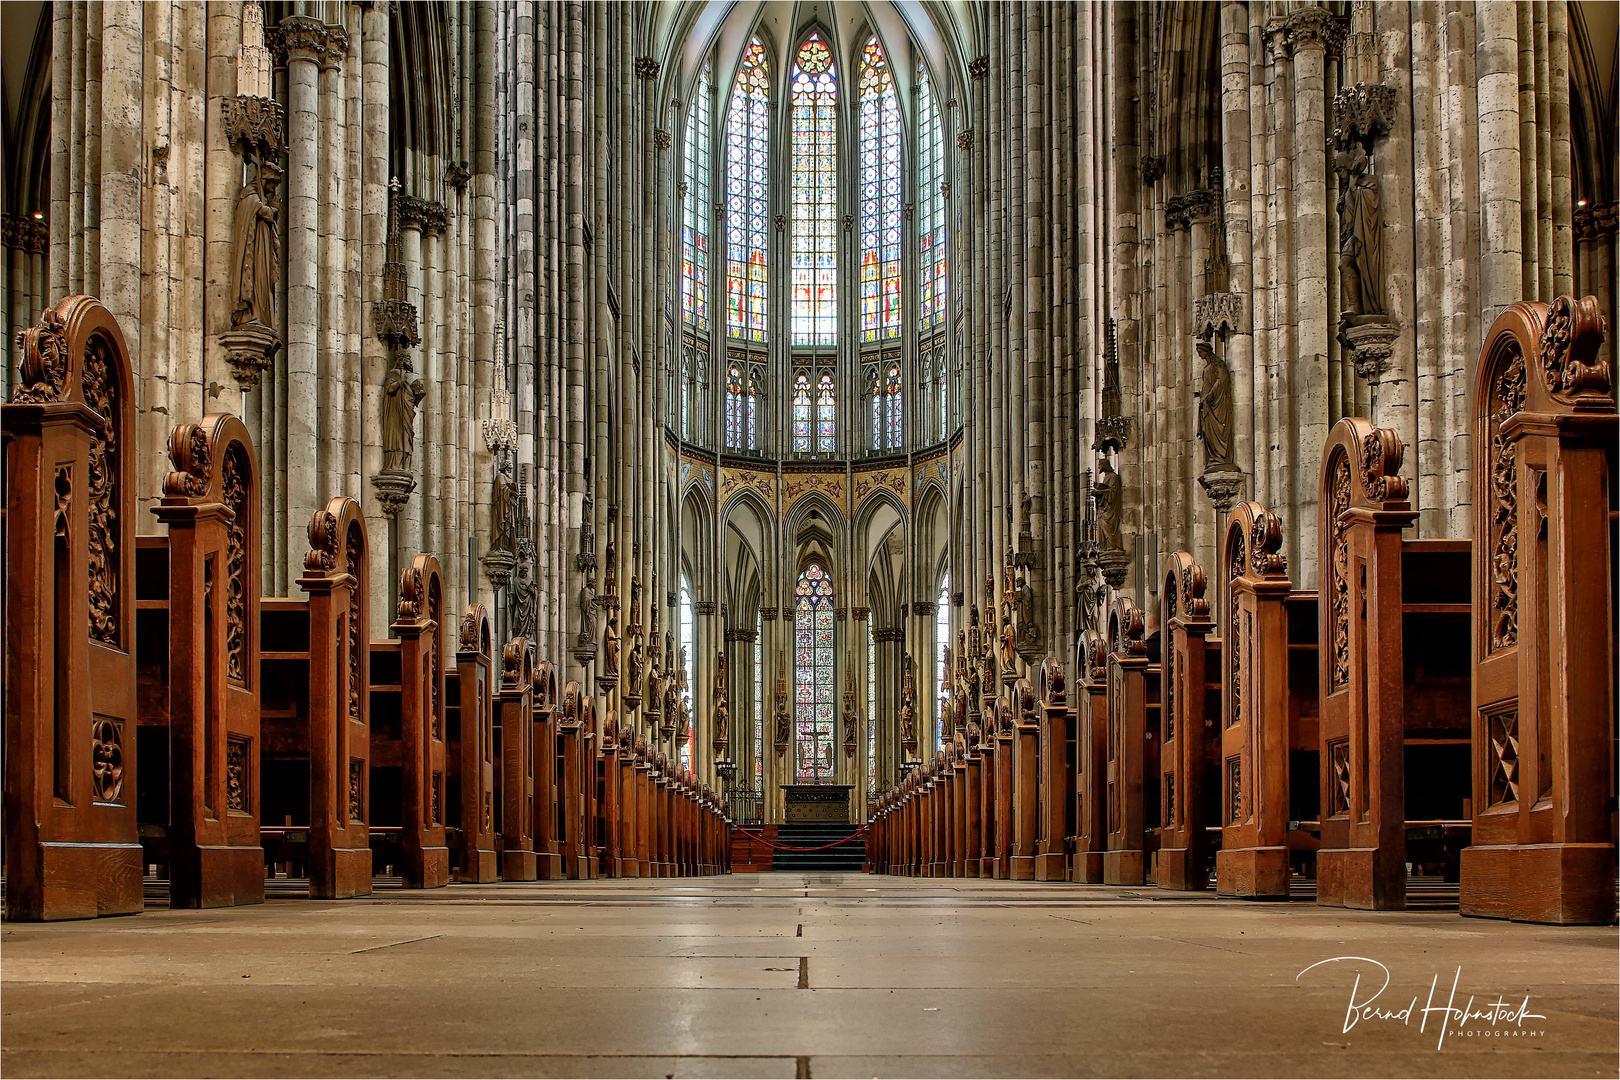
(498, 568)
(249, 349)
(393, 490)
(1224, 488)
(1114, 564)
(1371, 343)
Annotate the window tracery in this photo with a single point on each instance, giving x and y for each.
(814, 636)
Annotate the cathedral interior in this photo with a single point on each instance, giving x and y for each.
(814, 491)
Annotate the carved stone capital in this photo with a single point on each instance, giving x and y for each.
(457, 174)
(423, 214)
(1203, 205)
(1371, 341)
(1314, 28)
(862, 613)
(393, 490)
(298, 37)
(1594, 222)
(1176, 215)
(767, 613)
(646, 68)
(33, 237)
(661, 140)
(704, 607)
(1151, 166)
(1224, 488)
(249, 349)
(979, 68)
(964, 141)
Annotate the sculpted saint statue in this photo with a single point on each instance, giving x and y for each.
(402, 392)
(503, 511)
(1361, 234)
(1215, 409)
(526, 604)
(587, 613)
(257, 246)
(610, 647)
(1106, 491)
(1025, 598)
(637, 663)
(1009, 654)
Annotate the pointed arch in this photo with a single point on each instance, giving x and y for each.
(813, 95)
(748, 135)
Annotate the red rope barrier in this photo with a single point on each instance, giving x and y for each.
(768, 842)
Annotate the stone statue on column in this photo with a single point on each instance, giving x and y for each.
(1106, 490)
(1361, 238)
(256, 243)
(587, 614)
(1215, 410)
(610, 648)
(502, 510)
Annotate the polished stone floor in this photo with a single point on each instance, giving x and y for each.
(808, 976)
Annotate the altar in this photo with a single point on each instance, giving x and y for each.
(825, 803)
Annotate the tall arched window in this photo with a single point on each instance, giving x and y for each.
(759, 705)
(879, 125)
(747, 154)
(871, 710)
(930, 205)
(689, 644)
(826, 413)
(801, 413)
(887, 406)
(942, 648)
(813, 640)
(734, 405)
(695, 208)
(813, 87)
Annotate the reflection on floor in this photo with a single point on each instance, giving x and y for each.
(798, 975)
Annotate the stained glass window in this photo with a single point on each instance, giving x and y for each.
(930, 205)
(801, 413)
(813, 111)
(871, 711)
(689, 644)
(892, 405)
(759, 705)
(942, 648)
(826, 412)
(813, 638)
(695, 211)
(747, 155)
(751, 408)
(734, 406)
(880, 195)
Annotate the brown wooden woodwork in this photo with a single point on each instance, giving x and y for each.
(1055, 777)
(972, 801)
(959, 811)
(1190, 701)
(470, 720)
(1363, 508)
(1091, 758)
(337, 739)
(1543, 691)
(1255, 715)
(629, 857)
(646, 864)
(415, 744)
(1005, 774)
(608, 806)
(518, 861)
(72, 849)
(1125, 859)
(1025, 794)
(210, 655)
(988, 776)
(543, 745)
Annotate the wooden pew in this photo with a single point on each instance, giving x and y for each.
(1025, 796)
(1543, 658)
(542, 743)
(629, 861)
(518, 861)
(1056, 776)
(197, 612)
(1133, 754)
(988, 773)
(470, 721)
(1261, 715)
(1188, 748)
(408, 750)
(972, 799)
(571, 757)
(1091, 758)
(608, 799)
(957, 752)
(1006, 736)
(72, 849)
(314, 712)
(645, 855)
(1394, 677)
